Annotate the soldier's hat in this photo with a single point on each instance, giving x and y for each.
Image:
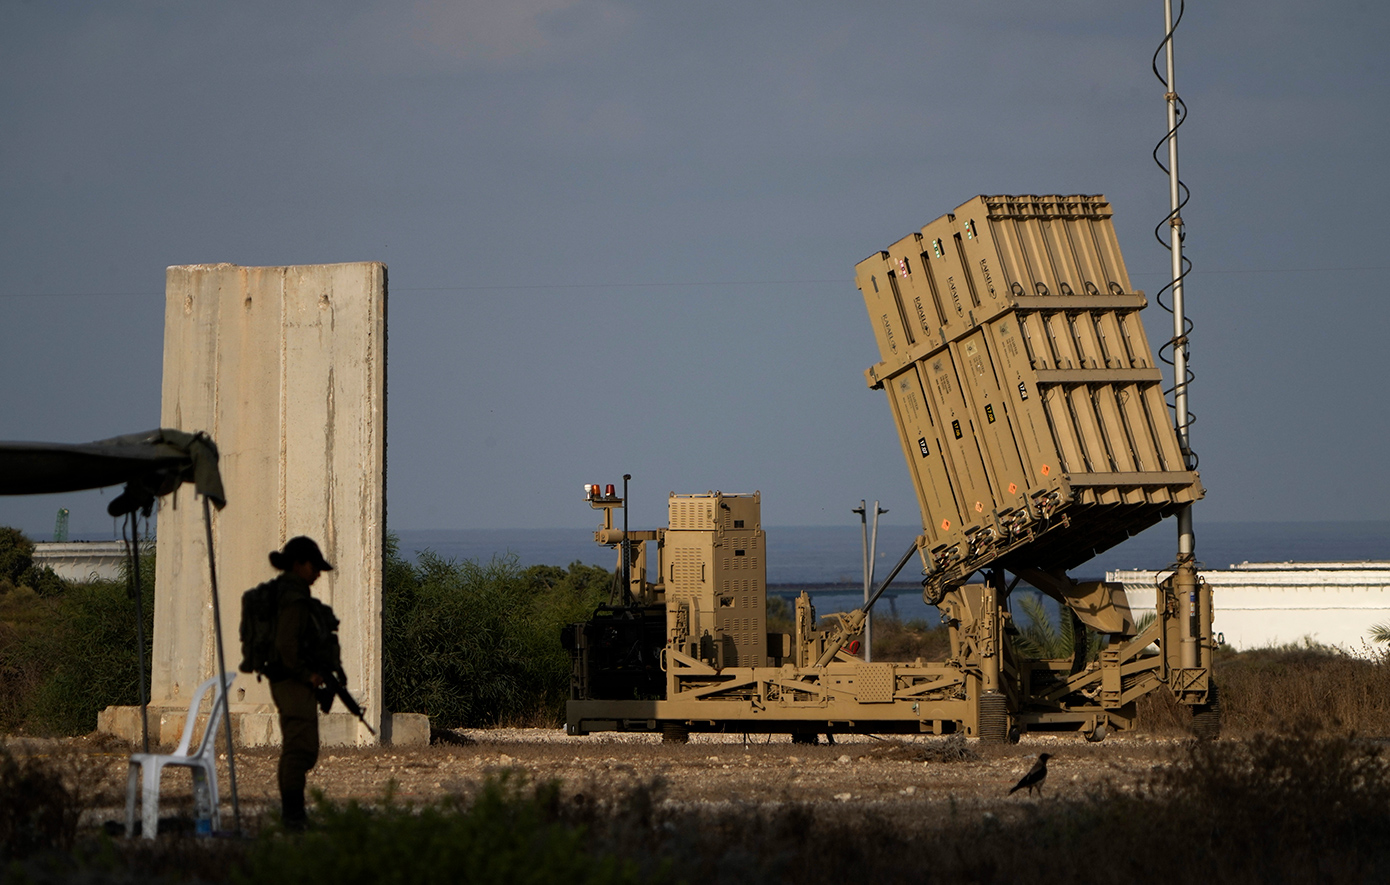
(300, 549)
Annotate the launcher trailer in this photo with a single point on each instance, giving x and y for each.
(1032, 416)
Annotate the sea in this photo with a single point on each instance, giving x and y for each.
(828, 561)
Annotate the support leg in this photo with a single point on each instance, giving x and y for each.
(149, 798)
(132, 786)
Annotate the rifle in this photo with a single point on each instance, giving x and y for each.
(335, 686)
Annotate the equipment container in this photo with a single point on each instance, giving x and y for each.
(715, 567)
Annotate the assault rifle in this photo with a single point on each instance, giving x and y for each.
(335, 686)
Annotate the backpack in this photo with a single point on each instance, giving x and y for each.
(260, 621)
(260, 616)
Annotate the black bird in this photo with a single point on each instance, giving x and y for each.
(1033, 780)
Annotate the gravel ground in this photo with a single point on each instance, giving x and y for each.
(911, 775)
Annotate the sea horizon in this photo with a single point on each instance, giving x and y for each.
(833, 555)
(827, 561)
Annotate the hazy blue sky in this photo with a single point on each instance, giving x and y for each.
(621, 236)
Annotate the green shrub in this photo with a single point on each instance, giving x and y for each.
(781, 615)
(16, 554)
(509, 833)
(1042, 638)
(899, 640)
(468, 644)
(472, 644)
(68, 650)
(92, 658)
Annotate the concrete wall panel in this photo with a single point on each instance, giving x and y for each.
(286, 368)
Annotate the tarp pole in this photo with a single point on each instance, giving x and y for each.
(222, 667)
(133, 555)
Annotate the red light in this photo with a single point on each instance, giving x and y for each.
(609, 491)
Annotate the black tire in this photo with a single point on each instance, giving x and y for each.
(675, 733)
(1206, 718)
(1097, 734)
(994, 718)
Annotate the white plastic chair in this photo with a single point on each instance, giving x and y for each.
(202, 760)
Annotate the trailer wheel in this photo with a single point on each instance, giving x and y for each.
(1206, 718)
(1097, 734)
(805, 737)
(675, 733)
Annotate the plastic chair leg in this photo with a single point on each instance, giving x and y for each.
(149, 813)
(205, 795)
(213, 798)
(132, 784)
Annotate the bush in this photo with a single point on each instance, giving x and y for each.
(92, 657)
(509, 833)
(44, 797)
(1310, 794)
(898, 640)
(1287, 690)
(1278, 809)
(69, 651)
(16, 554)
(17, 569)
(1283, 689)
(476, 645)
(467, 644)
(780, 614)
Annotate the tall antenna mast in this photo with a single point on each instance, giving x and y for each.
(1186, 586)
(1186, 535)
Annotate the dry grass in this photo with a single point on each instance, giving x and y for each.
(1270, 809)
(1282, 689)
(952, 749)
(44, 789)
(1274, 809)
(898, 640)
(1287, 690)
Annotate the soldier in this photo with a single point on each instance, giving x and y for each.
(295, 675)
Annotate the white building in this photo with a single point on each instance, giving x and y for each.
(81, 561)
(1262, 604)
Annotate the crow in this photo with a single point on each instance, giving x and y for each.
(1033, 780)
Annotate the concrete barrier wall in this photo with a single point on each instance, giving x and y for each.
(286, 368)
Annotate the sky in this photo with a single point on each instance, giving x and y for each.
(621, 236)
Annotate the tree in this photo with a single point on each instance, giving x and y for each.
(16, 555)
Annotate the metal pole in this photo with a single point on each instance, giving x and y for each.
(1185, 581)
(873, 563)
(863, 512)
(1186, 539)
(222, 669)
(627, 546)
(134, 555)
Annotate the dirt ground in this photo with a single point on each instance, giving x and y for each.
(897, 775)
